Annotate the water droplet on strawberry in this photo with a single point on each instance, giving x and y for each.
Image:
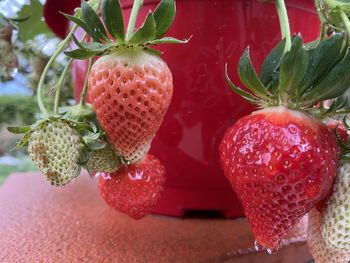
(258, 247)
(275, 249)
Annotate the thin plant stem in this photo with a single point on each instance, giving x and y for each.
(345, 20)
(61, 80)
(133, 16)
(58, 51)
(86, 83)
(284, 23)
(59, 85)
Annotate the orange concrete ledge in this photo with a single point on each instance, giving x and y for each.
(39, 223)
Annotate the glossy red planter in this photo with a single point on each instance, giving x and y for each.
(203, 106)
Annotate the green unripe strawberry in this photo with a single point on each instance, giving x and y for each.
(104, 160)
(54, 148)
(335, 227)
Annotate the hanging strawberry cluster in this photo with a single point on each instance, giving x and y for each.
(130, 88)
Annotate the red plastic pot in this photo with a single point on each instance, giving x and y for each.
(203, 106)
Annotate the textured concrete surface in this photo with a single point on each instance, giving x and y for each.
(39, 223)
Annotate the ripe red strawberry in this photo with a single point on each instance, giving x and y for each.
(339, 128)
(281, 160)
(280, 163)
(130, 86)
(130, 93)
(134, 189)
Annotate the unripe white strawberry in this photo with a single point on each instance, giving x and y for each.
(104, 160)
(317, 246)
(335, 227)
(54, 148)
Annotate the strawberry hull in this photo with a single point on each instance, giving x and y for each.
(280, 163)
(202, 107)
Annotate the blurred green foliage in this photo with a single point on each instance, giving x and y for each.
(34, 25)
(18, 109)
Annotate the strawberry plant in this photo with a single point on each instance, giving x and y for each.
(130, 87)
(282, 159)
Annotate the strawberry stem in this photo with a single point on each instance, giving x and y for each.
(132, 20)
(62, 78)
(320, 12)
(345, 20)
(60, 84)
(86, 82)
(284, 23)
(323, 30)
(62, 45)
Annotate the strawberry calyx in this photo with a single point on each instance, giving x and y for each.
(297, 75)
(80, 113)
(300, 78)
(81, 127)
(150, 33)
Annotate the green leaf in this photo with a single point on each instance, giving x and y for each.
(246, 95)
(112, 15)
(272, 62)
(83, 25)
(94, 128)
(64, 109)
(292, 69)
(19, 130)
(20, 19)
(164, 16)
(80, 126)
(35, 24)
(95, 4)
(96, 145)
(337, 104)
(344, 5)
(88, 169)
(345, 148)
(25, 139)
(321, 60)
(153, 51)
(168, 40)
(93, 22)
(249, 78)
(92, 136)
(333, 85)
(80, 53)
(91, 46)
(84, 156)
(146, 33)
(311, 45)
